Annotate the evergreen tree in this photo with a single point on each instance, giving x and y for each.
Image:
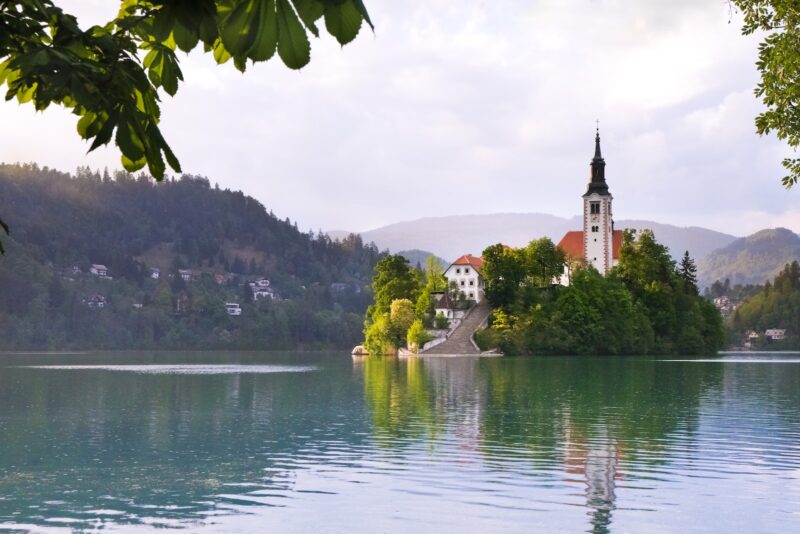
(688, 271)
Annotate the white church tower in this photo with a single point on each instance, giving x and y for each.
(598, 221)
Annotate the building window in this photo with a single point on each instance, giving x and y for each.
(466, 270)
(471, 283)
(595, 228)
(458, 270)
(462, 283)
(471, 295)
(594, 208)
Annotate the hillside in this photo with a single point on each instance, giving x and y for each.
(207, 243)
(451, 236)
(751, 260)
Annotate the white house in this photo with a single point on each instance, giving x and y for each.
(445, 307)
(598, 243)
(775, 334)
(155, 273)
(99, 270)
(96, 301)
(233, 308)
(466, 273)
(261, 289)
(185, 274)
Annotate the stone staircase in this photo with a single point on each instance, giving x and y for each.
(460, 341)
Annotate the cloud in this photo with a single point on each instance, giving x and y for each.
(479, 107)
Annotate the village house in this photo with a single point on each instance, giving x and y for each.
(220, 278)
(598, 243)
(261, 289)
(155, 273)
(446, 307)
(775, 334)
(465, 272)
(99, 270)
(233, 308)
(96, 301)
(185, 274)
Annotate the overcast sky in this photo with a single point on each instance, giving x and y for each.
(458, 107)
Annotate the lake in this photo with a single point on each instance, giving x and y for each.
(315, 442)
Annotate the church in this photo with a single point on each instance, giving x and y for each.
(598, 243)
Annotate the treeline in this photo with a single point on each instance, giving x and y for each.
(775, 306)
(647, 304)
(62, 223)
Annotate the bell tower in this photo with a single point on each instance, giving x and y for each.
(598, 223)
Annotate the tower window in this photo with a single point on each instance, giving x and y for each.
(595, 228)
(594, 208)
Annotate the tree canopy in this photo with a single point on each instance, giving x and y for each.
(110, 75)
(779, 66)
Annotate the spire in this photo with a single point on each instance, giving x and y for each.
(597, 177)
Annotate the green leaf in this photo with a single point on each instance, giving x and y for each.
(309, 12)
(293, 46)
(221, 55)
(26, 94)
(240, 28)
(343, 21)
(84, 123)
(185, 38)
(131, 165)
(129, 141)
(104, 135)
(267, 39)
(362, 9)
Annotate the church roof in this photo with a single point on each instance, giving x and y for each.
(469, 259)
(597, 176)
(572, 244)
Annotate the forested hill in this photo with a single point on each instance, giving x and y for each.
(61, 224)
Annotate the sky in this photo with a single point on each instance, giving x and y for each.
(461, 107)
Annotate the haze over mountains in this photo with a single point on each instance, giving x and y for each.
(746, 260)
(452, 236)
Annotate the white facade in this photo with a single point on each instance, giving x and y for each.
(98, 270)
(467, 278)
(598, 231)
(233, 308)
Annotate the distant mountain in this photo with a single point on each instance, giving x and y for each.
(750, 260)
(417, 256)
(452, 236)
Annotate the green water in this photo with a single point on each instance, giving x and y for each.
(260, 442)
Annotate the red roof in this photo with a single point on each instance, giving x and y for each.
(469, 259)
(572, 244)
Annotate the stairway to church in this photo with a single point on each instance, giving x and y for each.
(459, 341)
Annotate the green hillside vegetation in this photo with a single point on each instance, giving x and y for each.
(648, 304)
(751, 260)
(62, 223)
(776, 305)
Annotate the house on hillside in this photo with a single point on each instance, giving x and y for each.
(185, 274)
(445, 306)
(233, 308)
(261, 289)
(598, 243)
(465, 272)
(96, 301)
(155, 273)
(775, 334)
(99, 270)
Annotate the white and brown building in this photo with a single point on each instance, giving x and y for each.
(598, 243)
(466, 273)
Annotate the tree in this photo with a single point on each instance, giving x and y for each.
(688, 272)
(434, 275)
(417, 336)
(544, 262)
(394, 279)
(47, 58)
(503, 271)
(779, 65)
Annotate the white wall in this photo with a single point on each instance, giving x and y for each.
(468, 280)
(598, 246)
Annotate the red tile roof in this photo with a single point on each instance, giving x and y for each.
(469, 259)
(572, 244)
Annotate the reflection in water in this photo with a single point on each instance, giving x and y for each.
(599, 445)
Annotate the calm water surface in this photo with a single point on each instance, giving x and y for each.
(243, 442)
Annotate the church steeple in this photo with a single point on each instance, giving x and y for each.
(597, 177)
